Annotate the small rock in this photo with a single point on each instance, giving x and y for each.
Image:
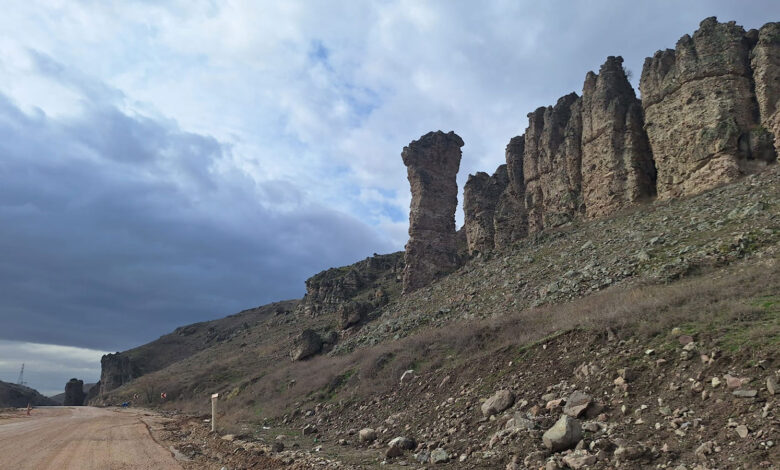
(745, 393)
(742, 431)
(771, 385)
(564, 434)
(309, 429)
(367, 435)
(685, 339)
(735, 382)
(579, 459)
(403, 443)
(518, 421)
(277, 447)
(499, 402)
(228, 437)
(715, 382)
(576, 404)
(439, 456)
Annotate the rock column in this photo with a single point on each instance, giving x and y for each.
(432, 165)
(552, 164)
(617, 165)
(510, 222)
(480, 196)
(74, 393)
(765, 60)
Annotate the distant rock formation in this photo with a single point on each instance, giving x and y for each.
(701, 114)
(552, 164)
(74, 393)
(510, 221)
(765, 61)
(480, 196)
(432, 164)
(308, 344)
(18, 396)
(617, 165)
(116, 370)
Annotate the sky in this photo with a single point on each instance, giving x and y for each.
(168, 162)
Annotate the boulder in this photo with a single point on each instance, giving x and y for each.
(367, 435)
(307, 344)
(499, 402)
(576, 404)
(565, 434)
(432, 164)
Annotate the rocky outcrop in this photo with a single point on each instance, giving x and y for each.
(306, 345)
(432, 164)
(351, 313)
(116, 370)
(552, 164)
(375, 279)
(617, 165)
(701, 114)
(480, 197)
(510, 221)
(74, 393)
(765, 61)
(18, 396)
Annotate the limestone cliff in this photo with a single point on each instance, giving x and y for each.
(115, 370)
(510, 222)
(765, 60)
(432, 164)
(480, 196)
(552, 164)
(701, 114)
(617, 165)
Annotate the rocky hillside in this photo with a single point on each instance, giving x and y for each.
(611, 301)
(18, 396)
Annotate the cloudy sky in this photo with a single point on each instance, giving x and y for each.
(167, 162)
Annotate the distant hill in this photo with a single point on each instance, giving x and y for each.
(16, 396)
(60, 397)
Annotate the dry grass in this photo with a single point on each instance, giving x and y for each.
(730, 305)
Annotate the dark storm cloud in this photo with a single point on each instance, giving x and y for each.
(114, 230)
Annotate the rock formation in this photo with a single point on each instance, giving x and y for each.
(701, 115)
(617, 165)
(74, 393)
(510, 221)
(432, 164)
(480, 196)
(329, 289)
(116, 370)
(307, 344)
(765, 60)
(551, 164)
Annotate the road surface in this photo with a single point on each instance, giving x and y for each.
(80, 438)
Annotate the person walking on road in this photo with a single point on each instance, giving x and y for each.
(29, 408)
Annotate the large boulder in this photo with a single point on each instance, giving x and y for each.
(432, 164)
(565, 434)
(617, 165)
(701, 113)
(307, 344)
(74, 393)
(500, 401)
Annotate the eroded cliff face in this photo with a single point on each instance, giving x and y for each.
(701, 114)
(351, 291)
(432, 164)
(510, 220)
(765, 60)
(116, 370)
(617, 164)
(480, 196)
(552, 164)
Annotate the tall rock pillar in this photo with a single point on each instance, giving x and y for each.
(617, 165)
(765, 59)
(432, 165)
(74, 393)
(480, 197)
(510, 221)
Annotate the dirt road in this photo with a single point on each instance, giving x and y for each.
(83, 438)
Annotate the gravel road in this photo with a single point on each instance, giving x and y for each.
(82, 438)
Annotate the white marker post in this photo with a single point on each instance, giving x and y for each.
(214, 412)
